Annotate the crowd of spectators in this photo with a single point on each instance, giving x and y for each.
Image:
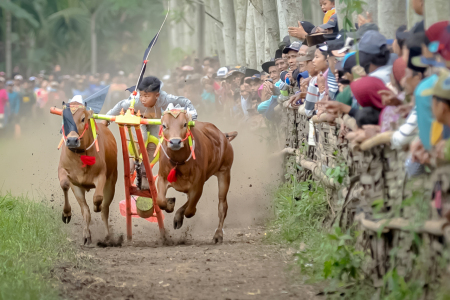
(23, 99)
(317, 69)
(401, 85)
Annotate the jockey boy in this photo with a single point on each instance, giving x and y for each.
(151, 101)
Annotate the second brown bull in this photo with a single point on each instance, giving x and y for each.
(178, 168)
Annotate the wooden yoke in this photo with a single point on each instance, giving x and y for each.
(126, 121)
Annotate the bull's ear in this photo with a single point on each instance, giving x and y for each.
(90, 113)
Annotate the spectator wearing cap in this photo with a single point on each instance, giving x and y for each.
(292, 54)
(414, 85)
(301, 65)
(429, 130)
(280, 62)
(208, 95)
(374, 55)
(3, 102)
(399, 45)
(304, 77)
(270, 91)
(441, 110)
(255, 83)
(432, 49)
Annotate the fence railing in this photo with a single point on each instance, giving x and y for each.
(367, 185)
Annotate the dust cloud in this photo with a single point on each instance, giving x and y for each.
(29, 167)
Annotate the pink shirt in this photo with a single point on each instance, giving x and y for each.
(3, 100)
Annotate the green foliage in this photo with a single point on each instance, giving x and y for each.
(59, 32)
(299, 212)
(352, 6)
(31, 243)
(339, 173)
(344, 263)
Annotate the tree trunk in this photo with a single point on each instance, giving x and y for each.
(281, 20)
(250, 47)
(413, 18)
(293, 12)
(259, 30)
(272, 38)
(174, 27)
(218, 31)
(229, 30)
(241, 16)
(93, 45)
(8, 57)
(200, 30)
(436, 11)
(317, 13)
(391, 15)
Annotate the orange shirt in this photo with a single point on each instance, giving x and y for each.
(328, 15)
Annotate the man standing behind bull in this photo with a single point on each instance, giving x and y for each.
(151, 101)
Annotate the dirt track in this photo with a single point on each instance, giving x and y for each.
(243, 267)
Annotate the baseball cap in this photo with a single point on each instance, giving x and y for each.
(308, 56)
(18, 77)
(307, 26)
(295, 46)
(371, 42)
(362, 30)
(10, 82)
(332, 23)
(444, 44)
(2, 79)
(349, 42)
(221, 73)
(442, 87)
(349, 62)
(435, 31)
(402, 33)
(32, 78)
(285, 42)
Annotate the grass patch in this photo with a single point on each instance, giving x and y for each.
(336, 259)
(31, 243)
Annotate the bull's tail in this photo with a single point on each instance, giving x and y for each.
(231, 135)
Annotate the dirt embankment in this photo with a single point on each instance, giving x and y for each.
(191, 267)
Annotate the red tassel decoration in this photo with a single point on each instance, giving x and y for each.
(87, 160)
(172, 175)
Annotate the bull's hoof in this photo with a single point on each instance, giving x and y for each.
(87, 241)
(97, 207)
(178, 221)
(66, 219)
(170, 205)
(218, 237)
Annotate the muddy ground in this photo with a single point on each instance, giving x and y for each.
(193, 268)
(189, 266)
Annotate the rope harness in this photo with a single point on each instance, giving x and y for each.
(172, 177)
(85, 159)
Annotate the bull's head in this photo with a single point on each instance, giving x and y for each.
(76, 122)
(175, 127)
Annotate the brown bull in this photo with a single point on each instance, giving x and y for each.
(214, 156)
(83, 175)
